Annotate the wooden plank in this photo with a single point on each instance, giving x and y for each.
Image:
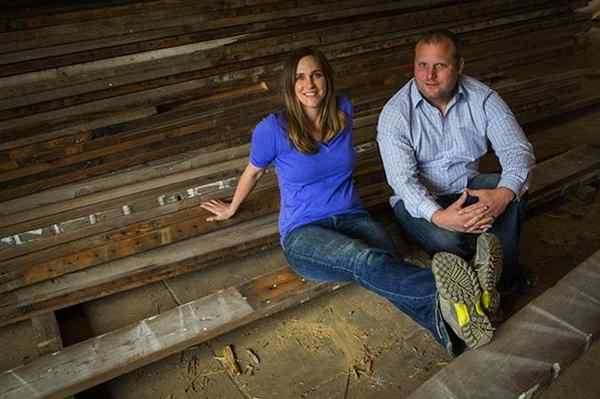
(48, 180)
(179, 20)
(49, 15)
(363, 136)
(60, 129)
(557, 175)
(37, 110)
(188, 15)
(47, 335)
(114, 65)
(79, 367)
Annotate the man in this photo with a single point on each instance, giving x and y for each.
(431, 135)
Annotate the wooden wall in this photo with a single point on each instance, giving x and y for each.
(118, 118)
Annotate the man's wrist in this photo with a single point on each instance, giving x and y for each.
(436, 217)
(507, 194)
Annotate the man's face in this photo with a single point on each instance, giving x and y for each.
(436, 71)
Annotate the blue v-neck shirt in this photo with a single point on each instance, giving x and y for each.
(312, 186)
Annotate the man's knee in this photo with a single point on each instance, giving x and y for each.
(447, 241)
(430, 237)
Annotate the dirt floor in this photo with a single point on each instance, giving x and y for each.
(349, 344)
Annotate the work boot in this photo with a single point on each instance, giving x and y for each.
(487, 263)
(460, 299)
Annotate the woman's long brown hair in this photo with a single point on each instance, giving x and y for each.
(330, 118)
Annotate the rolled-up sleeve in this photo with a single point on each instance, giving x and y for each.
(510, 144)
(401, 166)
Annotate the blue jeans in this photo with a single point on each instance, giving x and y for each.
(434, 239)
(353, 247)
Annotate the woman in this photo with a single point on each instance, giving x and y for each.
(326, 234)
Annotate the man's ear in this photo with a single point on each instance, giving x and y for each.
(461, 65)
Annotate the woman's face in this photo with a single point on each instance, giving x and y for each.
(310, 86)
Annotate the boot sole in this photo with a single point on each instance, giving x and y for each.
(458, 283)
(488, 264)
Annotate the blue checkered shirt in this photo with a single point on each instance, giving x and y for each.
(427, 154)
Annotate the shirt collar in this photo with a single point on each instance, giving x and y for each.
(417, 98)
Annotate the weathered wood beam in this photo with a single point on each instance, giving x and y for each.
(78, 367)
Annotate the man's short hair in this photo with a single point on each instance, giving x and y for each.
(441, 35)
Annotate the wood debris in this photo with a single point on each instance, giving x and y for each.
(253, 356)
(230, 360)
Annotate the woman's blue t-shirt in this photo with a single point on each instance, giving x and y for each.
(312, 186)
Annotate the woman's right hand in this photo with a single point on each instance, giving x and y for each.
(221, 210)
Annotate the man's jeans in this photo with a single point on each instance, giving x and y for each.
(434, 239)
(353, 247)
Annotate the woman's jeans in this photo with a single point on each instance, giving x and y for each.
(353, 247)
(434, 239)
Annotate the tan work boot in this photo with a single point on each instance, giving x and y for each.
(460, 299)
(487, 263)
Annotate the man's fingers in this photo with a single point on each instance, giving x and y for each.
(475, 208)
(460, 200)
(479, 220)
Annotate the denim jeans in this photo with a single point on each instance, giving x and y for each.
(434, 239)
(353, 247)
